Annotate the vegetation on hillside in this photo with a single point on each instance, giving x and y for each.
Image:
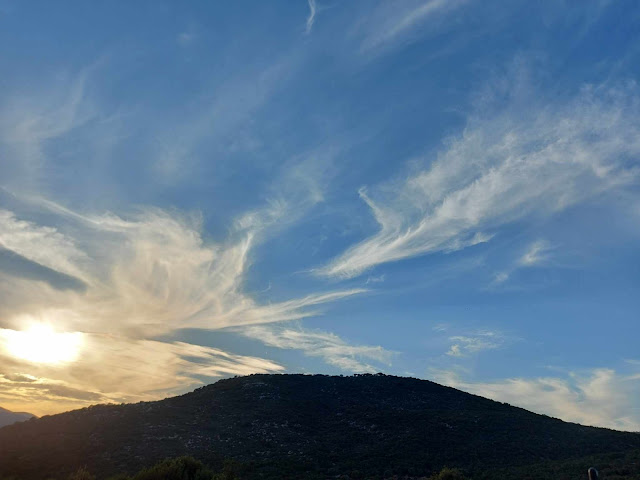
(188, 468)
(620, 466)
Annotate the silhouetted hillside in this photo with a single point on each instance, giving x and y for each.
(283, 426)
(8, 417)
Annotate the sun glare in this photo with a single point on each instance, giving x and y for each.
(42, 344)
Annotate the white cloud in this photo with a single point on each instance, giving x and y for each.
(464, 345)
(146, 275)
(42, 244)
(507, 165)
(375, 279)
(393, 22)
(501, 277)
(455, 351)
(315, 343)
(537, 253)
(312, 15)
(600, 397)
(28, 121)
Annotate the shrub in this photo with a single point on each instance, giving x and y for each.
(82, 474)
(448, 474)
(181, 468)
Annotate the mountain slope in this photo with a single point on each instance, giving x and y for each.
(376, 424)
(8, 417)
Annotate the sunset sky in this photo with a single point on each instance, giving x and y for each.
(443, 189)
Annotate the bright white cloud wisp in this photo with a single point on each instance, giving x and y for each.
(505, 166)
(312, 15)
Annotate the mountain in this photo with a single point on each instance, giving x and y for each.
(311, 426)
(7, 417)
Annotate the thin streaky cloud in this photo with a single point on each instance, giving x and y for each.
(504, 167)
(316, 343)
(537, 253)
(312, 16)
(392, 22)
(43, 245)
(27, 122)
(465, 345)
(146, 275)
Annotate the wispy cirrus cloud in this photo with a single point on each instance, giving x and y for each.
(146, 276)
(316, 343)
(393, 23)
(506, 166)
(600, 397)
(43, 245)
(537, 253)
(464, 342)
(219, 123)
(125, 284)
(171, 145)
(29, 121)
(465, 345)
(312, 16)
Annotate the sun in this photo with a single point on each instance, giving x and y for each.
(42, 344)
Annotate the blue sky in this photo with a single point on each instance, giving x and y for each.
(443, 189)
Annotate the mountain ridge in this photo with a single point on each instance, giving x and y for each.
(7, 417)
(378, 425)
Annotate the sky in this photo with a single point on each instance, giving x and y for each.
(448, 190)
